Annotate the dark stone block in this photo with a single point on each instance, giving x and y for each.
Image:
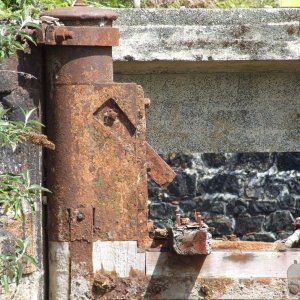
(236, 207)
(265, 237)
(284, 235)
(9, 80)
(248, 237)
(281, 220)
(260, 236)
(180, 160)
(262, 206)
(297, 207)
(288, 202)
(216, 205)
(223, 225)
(294, 185)
(183, 185)
(250, 161)
(153, 189)
(162, 211)
(187, 206)
(7, 242)
(273, 186)
(246, 224)
(288, 161)
(214, 160)
(221, 183)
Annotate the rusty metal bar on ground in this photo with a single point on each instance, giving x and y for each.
(97, 173)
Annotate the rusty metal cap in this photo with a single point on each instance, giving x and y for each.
(81, 13)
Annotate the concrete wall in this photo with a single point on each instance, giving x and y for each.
(222, 112)
(208, 93)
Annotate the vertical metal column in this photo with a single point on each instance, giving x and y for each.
(97, 173)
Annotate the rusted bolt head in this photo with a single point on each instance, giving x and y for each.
(80, 217)
(111, 113)
(205, 290)
(62, 34)
(147, 102)
(148, 166)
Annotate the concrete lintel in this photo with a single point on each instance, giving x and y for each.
(200, 35)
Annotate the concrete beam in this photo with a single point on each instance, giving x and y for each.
(208, 35)
(231, 264)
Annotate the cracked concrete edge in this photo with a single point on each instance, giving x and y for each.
(200, 35)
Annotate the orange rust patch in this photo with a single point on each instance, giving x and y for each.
(265, 281)
(241, 245)
(108, 286)
(217, 286)
(239, 257)
(136, 273)
(247, 282)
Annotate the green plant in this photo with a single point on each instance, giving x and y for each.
(12, 264)
(17, 194)
(245, 3)
(16, 17)
(210, 3)
(110, 3)
(15, 191)
(13, 132)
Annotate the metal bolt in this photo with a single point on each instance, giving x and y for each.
(148, 166)
(80, 217)
(110, 116)
(198, 218)
(178, 220)
(204, 289)
(62, 34)
(294, 288)
(147, 102)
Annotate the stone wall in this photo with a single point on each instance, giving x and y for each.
(21, 86)
(253, 195)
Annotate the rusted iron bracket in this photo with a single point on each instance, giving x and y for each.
(78, 36)
(158, 169)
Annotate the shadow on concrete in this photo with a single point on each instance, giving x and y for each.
(173, 276)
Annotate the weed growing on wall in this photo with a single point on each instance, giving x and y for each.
(12, 264)
(17, 196)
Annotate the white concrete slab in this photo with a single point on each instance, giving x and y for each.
(118, 256)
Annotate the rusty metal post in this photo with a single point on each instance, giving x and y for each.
(97, 173)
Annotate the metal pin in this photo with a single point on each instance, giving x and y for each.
(195, 214)
(178, 221)
(199, 218)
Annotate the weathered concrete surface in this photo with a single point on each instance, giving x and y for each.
(222, 112)
(171, 276)
(198, 66)
(208, 34)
